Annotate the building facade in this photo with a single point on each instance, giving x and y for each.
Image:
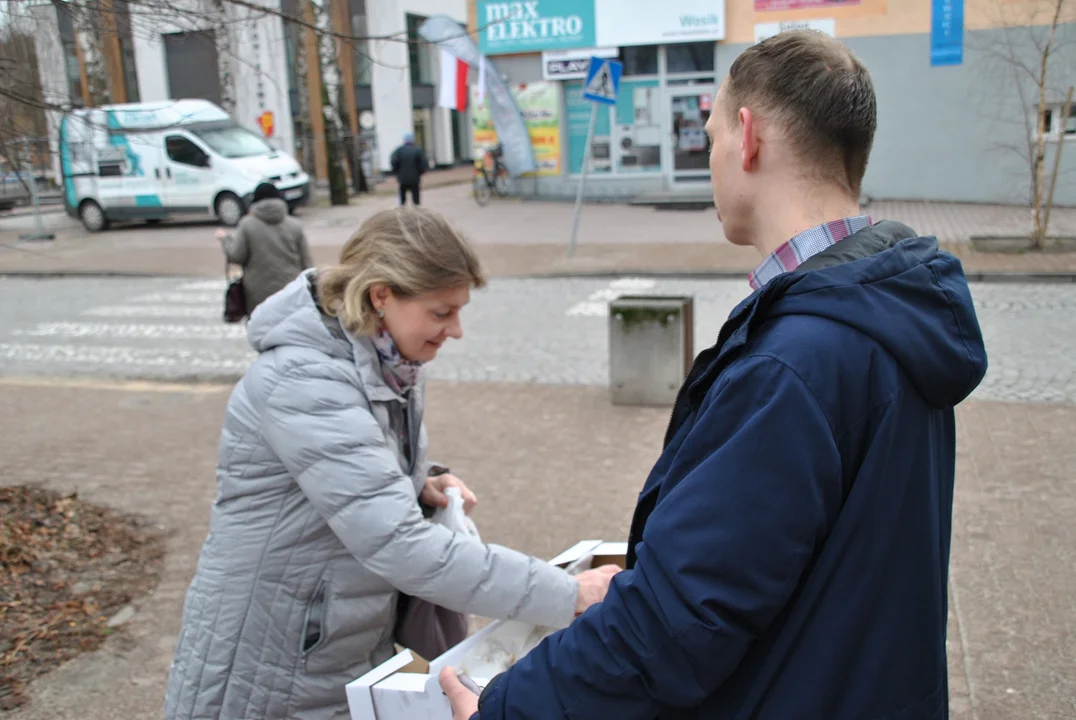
(245, 57)
(395, 79)
(958, 115)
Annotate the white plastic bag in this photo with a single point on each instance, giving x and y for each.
(453, 517)
(421, 626)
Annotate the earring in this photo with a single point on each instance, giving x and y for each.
(381, 314)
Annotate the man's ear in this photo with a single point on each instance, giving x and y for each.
(749, 140)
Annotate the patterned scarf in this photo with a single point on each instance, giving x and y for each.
(399, 374)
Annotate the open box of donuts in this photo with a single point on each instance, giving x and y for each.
(406, 686)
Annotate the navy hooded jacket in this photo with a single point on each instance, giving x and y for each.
(789, 553)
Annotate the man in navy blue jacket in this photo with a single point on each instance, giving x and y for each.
(789, 553)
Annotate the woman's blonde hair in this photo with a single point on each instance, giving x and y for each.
(411, 250)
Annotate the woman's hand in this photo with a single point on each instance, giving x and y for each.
(222, 234)
(593, 584)
(433, 495)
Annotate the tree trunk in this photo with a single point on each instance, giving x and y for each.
(1039, 214)
(330, 88)
(223, 35)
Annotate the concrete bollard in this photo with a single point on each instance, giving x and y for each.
(651, 341)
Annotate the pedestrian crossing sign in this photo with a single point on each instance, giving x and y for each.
(603, 80)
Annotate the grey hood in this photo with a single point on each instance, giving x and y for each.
(292, 319)
(271, 211)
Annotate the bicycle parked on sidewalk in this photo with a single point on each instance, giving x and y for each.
(490, 176)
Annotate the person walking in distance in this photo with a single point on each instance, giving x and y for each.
(269, 245)
(789, 554)
(409, 164)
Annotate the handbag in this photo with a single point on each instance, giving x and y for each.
(427, 629)
(235, 298)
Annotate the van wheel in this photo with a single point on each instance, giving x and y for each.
(229, 209)
(92, 216)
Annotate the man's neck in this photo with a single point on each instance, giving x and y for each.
(799, 214)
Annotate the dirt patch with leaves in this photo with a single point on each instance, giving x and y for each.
(68, 570)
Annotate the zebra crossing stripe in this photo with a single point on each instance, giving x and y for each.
(136, 330)
(119, 355)
(155, 311)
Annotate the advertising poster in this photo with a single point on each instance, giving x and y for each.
(539, 106)
(775, 5)
(522, 27)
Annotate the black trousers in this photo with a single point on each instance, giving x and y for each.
(415, 193)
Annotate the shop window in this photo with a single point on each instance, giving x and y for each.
(71, 64)
(74, 76)
(627, 136)
(418, 53)
(578, 111)
(1054, 124)
(127, 54)
(690, 57)
(638, 127)
(640, 59)
(130, 71)
(361, 53)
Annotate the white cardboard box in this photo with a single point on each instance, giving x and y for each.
(406, 687)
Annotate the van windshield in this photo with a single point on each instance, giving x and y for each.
(233, 142)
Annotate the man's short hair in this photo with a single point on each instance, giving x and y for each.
(819, 92)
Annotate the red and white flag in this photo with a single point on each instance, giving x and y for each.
(453, 90)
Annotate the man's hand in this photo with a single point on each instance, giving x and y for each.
(464, 702)
(593, 584)
(433, 495)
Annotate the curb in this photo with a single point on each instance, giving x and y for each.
(88, 274)
(1000, 277)
(1041, 278)
(1033, 278)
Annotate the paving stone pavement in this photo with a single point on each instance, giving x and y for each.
(546, 331)
(518, 408)
(553, 465)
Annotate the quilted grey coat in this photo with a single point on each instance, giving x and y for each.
(317, 525)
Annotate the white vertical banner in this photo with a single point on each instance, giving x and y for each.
(481, 79)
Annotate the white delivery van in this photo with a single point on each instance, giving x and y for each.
(148, 161)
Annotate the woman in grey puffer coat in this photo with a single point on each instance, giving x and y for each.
(323, 490)
(269, 245)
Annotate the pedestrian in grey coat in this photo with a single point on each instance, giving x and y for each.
(269, 245)
(324, 489)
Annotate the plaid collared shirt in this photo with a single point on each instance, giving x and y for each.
(793, 253)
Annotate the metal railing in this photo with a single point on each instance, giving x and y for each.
(21, 159)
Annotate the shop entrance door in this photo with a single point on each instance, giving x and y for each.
(689, 109)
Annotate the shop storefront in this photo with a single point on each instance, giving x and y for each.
(652, 140)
